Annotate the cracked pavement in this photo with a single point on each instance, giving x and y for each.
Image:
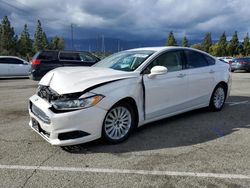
(197, 141)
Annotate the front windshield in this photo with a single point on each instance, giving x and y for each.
(125, 61)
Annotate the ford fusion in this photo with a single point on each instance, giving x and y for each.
(75, 105)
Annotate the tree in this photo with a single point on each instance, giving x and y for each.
(207, 42)
(222, 45)
(25, 43)
(215, 49)
(185, 41)
(57, 43)
(233, 45)
(246, 45)
(8, 38)
(197, 46)
(171, 40)
(40, 38)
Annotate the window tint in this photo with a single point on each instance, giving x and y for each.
(195, 59)
(69, 56)
(87, 58)
(46, 55)
(210, 60)
(10, 61)
(171, 60)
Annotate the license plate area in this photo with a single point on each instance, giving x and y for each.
(37, 127)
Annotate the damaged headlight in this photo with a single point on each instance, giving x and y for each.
(75, 104)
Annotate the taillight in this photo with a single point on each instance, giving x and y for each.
(36, 62)
(243, 63)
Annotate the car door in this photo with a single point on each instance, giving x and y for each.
(201, 71)
(167, 93)
(17, 67)
(4, 67)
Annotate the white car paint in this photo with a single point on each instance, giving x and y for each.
(157, 97)
(10, 69)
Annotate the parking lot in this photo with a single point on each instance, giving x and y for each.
(195, 149)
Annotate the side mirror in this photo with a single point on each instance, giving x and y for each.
(157, 70)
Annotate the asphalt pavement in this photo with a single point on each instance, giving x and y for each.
(195, 149)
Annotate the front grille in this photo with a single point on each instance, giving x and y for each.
(39, 113)
(46, 93)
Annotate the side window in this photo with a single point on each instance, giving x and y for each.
(195, 59)
(13, 61)
(68, 56)
(86, 58)
(47, 55)
(210, 60)
(171, 60)
(3, 61)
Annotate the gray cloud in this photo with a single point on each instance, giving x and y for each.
(130, 18)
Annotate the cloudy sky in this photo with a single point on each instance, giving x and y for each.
(130, 19)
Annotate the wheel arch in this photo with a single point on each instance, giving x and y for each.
(131, 101)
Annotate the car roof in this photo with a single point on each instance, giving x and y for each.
(160, 48)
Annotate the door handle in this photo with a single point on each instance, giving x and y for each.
(181, 75)
(211, 71)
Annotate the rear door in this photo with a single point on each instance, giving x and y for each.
(4, 67)
(201, 73)
(17, 67)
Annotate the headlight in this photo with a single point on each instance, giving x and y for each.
(75, 104)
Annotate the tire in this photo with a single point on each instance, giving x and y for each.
(218, 98)
(118, 123)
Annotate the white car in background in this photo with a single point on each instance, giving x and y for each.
(131, 88)
(11, 66)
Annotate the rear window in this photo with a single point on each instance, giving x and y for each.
(69, 56)
(46, 55)
(87, 57)
(210, 60)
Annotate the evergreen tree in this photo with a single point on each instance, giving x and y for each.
(171, 40)
(222, 45)
(40, 39)
(185, 41)
(246, 45)
(25, 43)
(207, 42)
(8, 38)
(233, 45)
(57, 43)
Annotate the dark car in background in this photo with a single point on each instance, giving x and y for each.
(46, 60)
(242, 63)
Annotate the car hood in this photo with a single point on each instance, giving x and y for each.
(75, 79)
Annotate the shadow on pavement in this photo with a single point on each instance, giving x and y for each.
(190, 128)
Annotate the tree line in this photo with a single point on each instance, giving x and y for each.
(220, 48)
(23, 45)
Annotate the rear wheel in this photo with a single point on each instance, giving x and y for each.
(118, 123)
(218, 98)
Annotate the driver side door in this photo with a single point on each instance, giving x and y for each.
(166, 94)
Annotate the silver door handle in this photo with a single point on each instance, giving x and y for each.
(211, 71)
(181, 75)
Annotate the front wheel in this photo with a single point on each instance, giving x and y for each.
(218, 98)
(118, 123)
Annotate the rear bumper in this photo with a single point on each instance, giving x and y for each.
(69, 128)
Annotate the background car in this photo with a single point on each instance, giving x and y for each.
(126, 90)
(46, 60)
(242, 63)
(226, 59)
(11, 66)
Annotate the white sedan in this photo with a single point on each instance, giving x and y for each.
(11, 66)
(128, 89)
